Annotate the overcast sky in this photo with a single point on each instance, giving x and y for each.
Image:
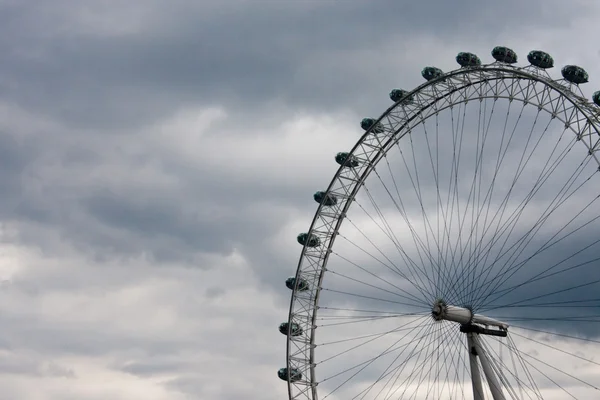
(158, 158)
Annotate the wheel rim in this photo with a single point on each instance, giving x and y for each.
(529, 86)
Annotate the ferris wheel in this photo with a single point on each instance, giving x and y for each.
(466, 262)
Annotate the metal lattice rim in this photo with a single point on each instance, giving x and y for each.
(529, 85)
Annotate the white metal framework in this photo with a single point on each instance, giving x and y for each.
(498, 81)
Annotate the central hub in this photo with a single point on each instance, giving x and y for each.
(442, 311)
(462, 315)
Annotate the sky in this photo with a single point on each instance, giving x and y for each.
(159, 158)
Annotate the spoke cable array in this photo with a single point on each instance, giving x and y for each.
(476, 190)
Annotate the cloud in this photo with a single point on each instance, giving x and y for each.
(143, 329)
(157, 162)
(139, 62)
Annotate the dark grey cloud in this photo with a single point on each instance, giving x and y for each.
(85, 87)
(239, 53)
(183, 55)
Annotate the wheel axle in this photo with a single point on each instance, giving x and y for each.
(464, 316)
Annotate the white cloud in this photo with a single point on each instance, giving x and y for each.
(131, 329)
(170, 285)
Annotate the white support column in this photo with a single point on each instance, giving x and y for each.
(490, 375)
(475, 374)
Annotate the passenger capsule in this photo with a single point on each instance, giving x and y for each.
(291, 282)
(540, 59)
(504, 54)
(296, 330)
(596, 98)
(346, 160)
(468, 59)
(574, 74)
(293, 374)
(430, 73)
(325, 199)
(308, 240)
(398, 94)
(367, 123)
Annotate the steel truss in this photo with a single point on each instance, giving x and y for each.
(529, 85)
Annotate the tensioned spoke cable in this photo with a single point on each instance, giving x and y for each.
(416, 239)
(366, 297)
(545, 246)
(453, 193)
(545, 215)
(538, 277)
(479, 252)
(515, 268)
(421, 305)
(514, 364)
(435, 171)
(449, 363)
(561, 291)
(445, 239)
(489, 194)
(467, 268)
(443, 265)
(474, 195)
(520, 166)
(388, 231)
(396, 269)
(368, 362)
(468, 250)
(368, 341)
(462, 350)
(515, 217)
(500, 159)
(559, 370)
(364, 317)
(501, 368)
(461, 275)
(557, 349)
(360, 310)
(418, 192)
(419, 244)
(423, 368)
(409, 296)
(418, 367)
(508, 225)
(466, 371)
(444, 235)
(524, 364)
(500, 378)
(379, 334)
(588, 318)
(553, 304)
(457, 267)
(370, 319)
(513, 350)
(397, 370)
(393, 378)
(426, 221)
(556, 334)
(426, 247)
(502, 152)
(403, 254)
(562, 351)
(419, 377)
(364, 364)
